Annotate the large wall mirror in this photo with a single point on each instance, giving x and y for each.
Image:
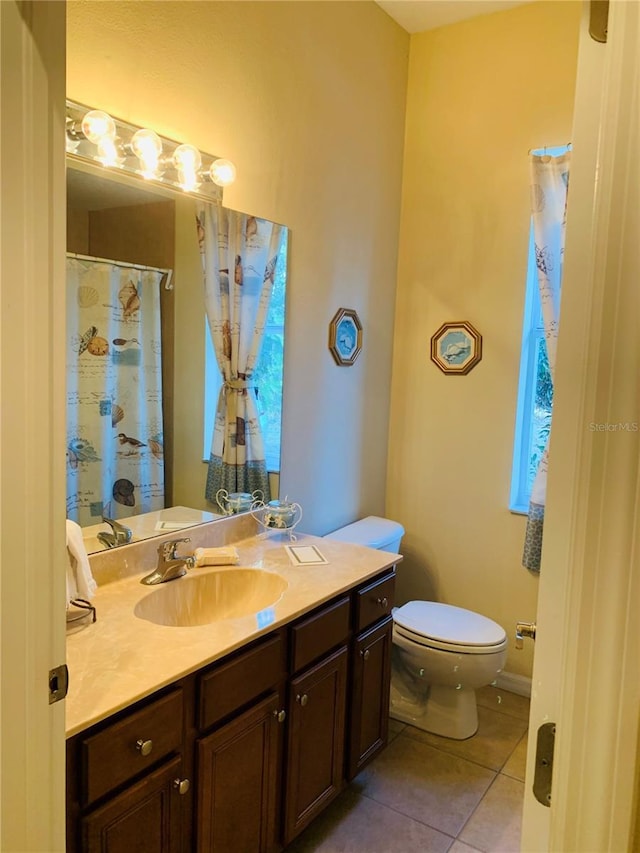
(141, 233)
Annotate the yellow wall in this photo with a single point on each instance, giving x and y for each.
(308, 100)
(481, 94)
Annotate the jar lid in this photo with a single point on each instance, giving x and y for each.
(280, 505)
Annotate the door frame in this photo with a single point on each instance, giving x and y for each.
(32, 426)
(586, 677)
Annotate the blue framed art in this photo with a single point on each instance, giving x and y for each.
(456, 348)
(345, 336)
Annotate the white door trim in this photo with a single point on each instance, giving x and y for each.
(32, 426)
(588, 647)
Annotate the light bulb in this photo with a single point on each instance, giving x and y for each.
(108, 153)
(97, 125)
(147, 146)
(187, 158)
(222, 172)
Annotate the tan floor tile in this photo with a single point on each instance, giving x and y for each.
(356, 824)
(425, 783)
(516, 766)
(496, 824)
(493, 743)
(460, 847)
(395, 727)
(504, 701)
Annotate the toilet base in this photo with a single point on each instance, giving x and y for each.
(447, 711)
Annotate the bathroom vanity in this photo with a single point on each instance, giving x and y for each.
(235, 734)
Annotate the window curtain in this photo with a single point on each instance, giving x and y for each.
(239, 255)
(549, 185)
(115, 464)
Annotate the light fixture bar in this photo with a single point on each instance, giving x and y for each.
(97, 137)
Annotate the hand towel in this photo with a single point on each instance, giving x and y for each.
(80, 582)
(216, 556)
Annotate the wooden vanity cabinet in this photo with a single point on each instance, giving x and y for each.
(126, 785)
(369, 701)
(317, 712)
(238, 773)
(146, 816)
(239, 763)
(370, 680)
(247, 751)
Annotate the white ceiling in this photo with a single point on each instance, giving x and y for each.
(415, 16)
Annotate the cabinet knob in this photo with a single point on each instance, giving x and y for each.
(383, 602)
(302, 699)
(181, 785)
(144, 747)
(280, 716)
(365, 654)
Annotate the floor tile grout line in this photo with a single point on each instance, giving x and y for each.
(479, 803)
(462, 757)
(504, 713)
(408, 816)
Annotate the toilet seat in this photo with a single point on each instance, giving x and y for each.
(448, 628)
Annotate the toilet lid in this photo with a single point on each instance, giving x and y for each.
(445, 623)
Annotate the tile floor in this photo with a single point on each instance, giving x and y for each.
(426, 793)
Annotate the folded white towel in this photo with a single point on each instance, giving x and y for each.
(216, 556)
(80, 582)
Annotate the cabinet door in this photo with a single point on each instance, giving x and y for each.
(145, 816)
(238, 768)
(315, 764)
(371, 673)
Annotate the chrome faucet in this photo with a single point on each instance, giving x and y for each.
(121, 535)
(170, 565)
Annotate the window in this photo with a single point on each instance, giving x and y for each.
(535, 395)
(268, 375)
(535, 388)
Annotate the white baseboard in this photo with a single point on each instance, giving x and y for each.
(520, 684)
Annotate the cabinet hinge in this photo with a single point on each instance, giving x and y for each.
(544, 763)
(58, 683)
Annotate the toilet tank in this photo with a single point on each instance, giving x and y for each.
(373, 531)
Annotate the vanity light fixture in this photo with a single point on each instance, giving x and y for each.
(147, 146)
(222, 172)
(188, 162)
(97, 125)
(97, 137)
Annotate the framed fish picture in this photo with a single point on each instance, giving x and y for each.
(456, 348)
(345, 336)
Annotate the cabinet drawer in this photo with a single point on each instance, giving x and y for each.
(318, 634)
(374, 601)
(128, 747)
(230, 686)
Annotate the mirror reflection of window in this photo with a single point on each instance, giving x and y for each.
(268, 375)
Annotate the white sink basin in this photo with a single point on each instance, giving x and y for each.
(201, 599)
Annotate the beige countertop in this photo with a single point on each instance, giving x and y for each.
(122, 658)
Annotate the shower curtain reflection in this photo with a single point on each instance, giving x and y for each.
(115, 464)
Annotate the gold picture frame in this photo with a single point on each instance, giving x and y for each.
(456, 348)
(345, 336)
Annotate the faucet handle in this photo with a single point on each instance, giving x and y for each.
(167, 551)
(121, 534)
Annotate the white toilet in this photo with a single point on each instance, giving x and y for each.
(441, 654)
